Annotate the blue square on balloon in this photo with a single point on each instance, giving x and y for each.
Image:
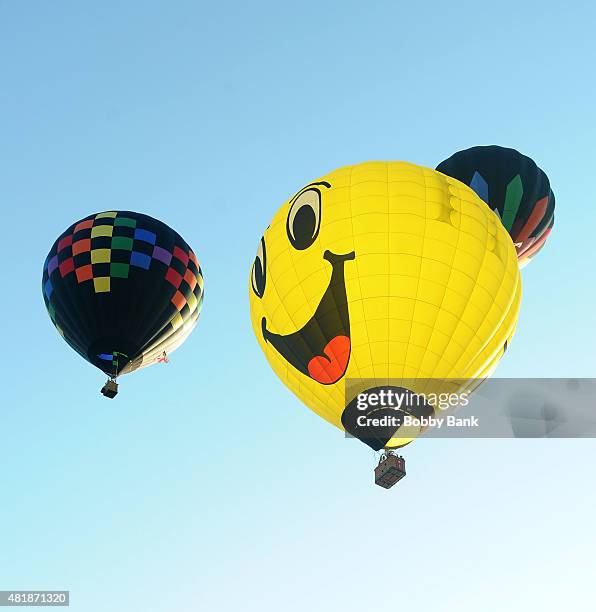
(145, 236)
(140, 260)
(48, 288)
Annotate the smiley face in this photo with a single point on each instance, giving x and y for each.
(321, 347)
(383, 270)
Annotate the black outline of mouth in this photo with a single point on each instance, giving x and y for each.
(331, 319)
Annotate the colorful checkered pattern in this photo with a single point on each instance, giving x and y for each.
(105, 248)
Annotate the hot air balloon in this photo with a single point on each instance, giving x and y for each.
(123, 289)
(383, 276)
(515, 187)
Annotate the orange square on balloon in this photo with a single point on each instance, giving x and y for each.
(81, 246)
(88, 223)
(190, 278)
(84, 273)
(179, 300)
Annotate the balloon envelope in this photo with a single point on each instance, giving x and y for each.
(514, 186)
(122, 288)
(382, 273)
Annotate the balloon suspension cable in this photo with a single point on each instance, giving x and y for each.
(110, 389)
(388, 452)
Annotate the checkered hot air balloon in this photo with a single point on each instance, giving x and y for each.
(515, 187)
(123, 289)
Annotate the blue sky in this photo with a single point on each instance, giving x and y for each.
(207, 116)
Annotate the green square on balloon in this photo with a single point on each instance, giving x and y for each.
(125, 221)
(119, 270)
(121, 242)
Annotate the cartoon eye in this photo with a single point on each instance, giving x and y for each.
(259, 270)
(304, 219)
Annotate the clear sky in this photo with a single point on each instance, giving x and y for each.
(206, 485)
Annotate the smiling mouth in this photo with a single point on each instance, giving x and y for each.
(321, 349)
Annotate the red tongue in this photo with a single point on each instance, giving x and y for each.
(331, 368)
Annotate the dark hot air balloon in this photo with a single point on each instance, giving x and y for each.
(123, 289)
(514, 186)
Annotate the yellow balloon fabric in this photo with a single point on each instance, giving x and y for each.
(382, 270)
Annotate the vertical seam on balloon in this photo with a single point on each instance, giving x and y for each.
(389, 270)
(357, 277)
(480, 265)
(421, 257)
(505, 311)
(462, 355)
(455, 250)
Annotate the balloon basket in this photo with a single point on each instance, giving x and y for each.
(110, 389)
(391, 469)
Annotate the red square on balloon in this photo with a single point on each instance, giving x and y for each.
(64, 242)
(178, 253)
(173, 277)
(66, 267)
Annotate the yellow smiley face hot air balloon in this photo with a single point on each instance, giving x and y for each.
(382, 271)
